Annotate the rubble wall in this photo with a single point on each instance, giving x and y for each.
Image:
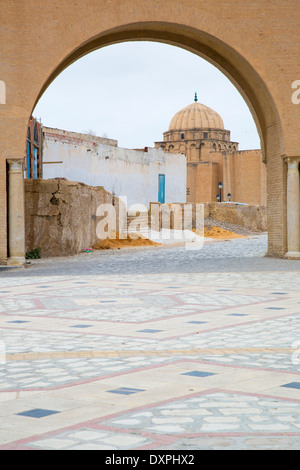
(61, 216)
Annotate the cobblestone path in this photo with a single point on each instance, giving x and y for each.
(161, 348)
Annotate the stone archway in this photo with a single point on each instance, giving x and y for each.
(212, 31)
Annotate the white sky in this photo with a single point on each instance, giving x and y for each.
(130, 92)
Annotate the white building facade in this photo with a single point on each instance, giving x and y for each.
(142, 176)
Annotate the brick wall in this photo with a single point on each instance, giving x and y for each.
(243, 175)
(249, 177)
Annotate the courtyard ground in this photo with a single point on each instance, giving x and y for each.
(152, 348)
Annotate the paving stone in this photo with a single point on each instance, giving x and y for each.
(225, 310)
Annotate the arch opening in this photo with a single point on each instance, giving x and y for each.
(229, 61)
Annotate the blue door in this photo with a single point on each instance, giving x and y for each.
(161, 188)
(35, 163)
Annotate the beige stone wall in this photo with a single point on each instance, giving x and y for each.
(242, 173)
(176, 216)
(61, 215)
(251, 217)
(249, 177)
(204, 180)
(201, 181)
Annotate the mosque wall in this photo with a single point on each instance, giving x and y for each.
(202, 179)
(242, 173)
(249, 179)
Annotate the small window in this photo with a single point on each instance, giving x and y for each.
(188, 191)
(205, 135)
(36, 133)
(182, 136)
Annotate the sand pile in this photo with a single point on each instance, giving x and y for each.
(212, 232)
(117, 242)
(220, 233)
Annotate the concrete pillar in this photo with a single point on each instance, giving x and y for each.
(293, 209)
(16, 213)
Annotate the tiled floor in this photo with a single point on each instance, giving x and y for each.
(155, 349)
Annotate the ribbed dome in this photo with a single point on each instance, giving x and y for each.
(196, 116)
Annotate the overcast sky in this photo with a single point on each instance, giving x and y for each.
(130, 92)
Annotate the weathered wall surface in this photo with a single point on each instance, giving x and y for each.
(172, 216)
(123, 172)
(251, 217)
(61, 216)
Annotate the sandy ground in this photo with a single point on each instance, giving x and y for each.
(212, 232)
(220, 233)
(118, 242)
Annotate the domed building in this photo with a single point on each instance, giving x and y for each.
(198, 132)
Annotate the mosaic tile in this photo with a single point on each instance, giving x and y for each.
(275, 308)
(18, 321)
(238, 314)
(37, 413)
(279, 293)
(292, 385)
(81, 326)
(198, 373)
(176, 291)
(126, 391)
(149, 331)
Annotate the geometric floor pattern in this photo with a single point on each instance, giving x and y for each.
(206, 359)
